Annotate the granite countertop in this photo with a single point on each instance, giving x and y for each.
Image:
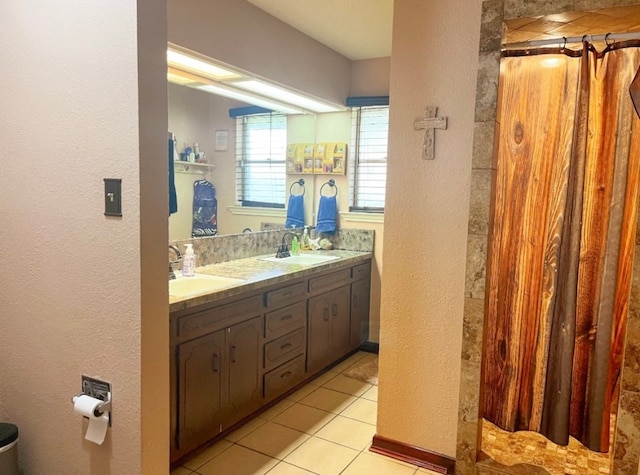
(257, 274)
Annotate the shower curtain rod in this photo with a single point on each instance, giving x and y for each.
(563, 41)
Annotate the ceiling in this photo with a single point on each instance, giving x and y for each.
(357, 29)
(572, 24)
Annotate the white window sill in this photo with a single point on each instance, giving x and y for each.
(255, 211)
(354, 217)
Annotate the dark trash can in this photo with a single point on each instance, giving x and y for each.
(8, 449)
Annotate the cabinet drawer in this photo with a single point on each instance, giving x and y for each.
(362, 271)
(330, 281)
(286, 295)
(284, 348)
(283, 378)
(285, 320)
(213, 319)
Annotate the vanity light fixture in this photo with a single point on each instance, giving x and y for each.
(285, 95)
(190, 69)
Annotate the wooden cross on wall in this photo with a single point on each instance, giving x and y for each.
(429, 124)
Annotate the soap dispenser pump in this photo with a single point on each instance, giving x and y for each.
(189, 262)
(304, 240)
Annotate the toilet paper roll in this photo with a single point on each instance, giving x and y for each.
(86, 406)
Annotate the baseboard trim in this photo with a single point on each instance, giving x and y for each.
(370, 346)
(413, 455)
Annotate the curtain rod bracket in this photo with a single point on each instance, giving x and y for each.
(429, 124)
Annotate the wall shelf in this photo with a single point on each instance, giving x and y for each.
(191, 167)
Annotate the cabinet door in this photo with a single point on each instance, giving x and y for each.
(243, 347)
(359, 312)
(199, 390)
(318, 332)
(340, 322)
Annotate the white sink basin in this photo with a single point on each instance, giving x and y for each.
(199, 284)
(302, 259)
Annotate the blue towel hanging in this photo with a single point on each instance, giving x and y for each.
(173, 198)
(295, 208)
(327, 210)
(295, 212)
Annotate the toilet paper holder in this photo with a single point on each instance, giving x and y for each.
(101, 408)
(97, 389)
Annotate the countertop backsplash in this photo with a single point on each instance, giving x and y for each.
(217, 249)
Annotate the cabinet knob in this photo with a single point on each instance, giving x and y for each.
(286, 345)
(286, 317)
(233, 353)
(325, 315)
(334, 309)
(285, 375)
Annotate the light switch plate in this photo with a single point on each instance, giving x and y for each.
(113, 197)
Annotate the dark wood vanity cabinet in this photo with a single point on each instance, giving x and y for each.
(233, 357)
(329, 330)
(360, 297)
(218, 382)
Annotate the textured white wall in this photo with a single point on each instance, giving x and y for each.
(71, 293)
(434, 61)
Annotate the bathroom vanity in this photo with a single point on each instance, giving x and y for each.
(240, 348)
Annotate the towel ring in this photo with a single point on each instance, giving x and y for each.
(332, 184)
(300, 182)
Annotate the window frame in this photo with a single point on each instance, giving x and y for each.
(360, 105)
(244, 164)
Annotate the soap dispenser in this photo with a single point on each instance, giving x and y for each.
(304, 240)
(189, 262)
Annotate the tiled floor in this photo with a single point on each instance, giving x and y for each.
(324, 428)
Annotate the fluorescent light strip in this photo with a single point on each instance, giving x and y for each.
(285, 95)
(195, 65)
(229, 92)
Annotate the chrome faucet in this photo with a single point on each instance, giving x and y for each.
(178, 254)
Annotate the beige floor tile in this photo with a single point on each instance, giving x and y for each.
(274, 440)
(245, 429)
(371, 394)
(238, 460)
(328, 400)
(339, 368)
(207, 454)
(348, 432)
(302, 392)
(425, 471)
(362, 410)
(368, 357)
(390, 459)
(279, 408)
(322, 456)
(367, 464)
(323, 378)
(284, 468)
(181, 471)
(304, 418)
(347, 385)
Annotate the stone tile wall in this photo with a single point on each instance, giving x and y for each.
(627, 440)
(211, 250)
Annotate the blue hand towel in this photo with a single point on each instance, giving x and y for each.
(327, 212)
(295, 212)
(173, 199)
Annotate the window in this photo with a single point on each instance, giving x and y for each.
(261, 145)
(369, 139)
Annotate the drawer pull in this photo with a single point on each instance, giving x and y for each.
(216, 362)
(286, 345)
(285, 375)
(335, 309)
(233, 353)
(286, 317)
(325, 315)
